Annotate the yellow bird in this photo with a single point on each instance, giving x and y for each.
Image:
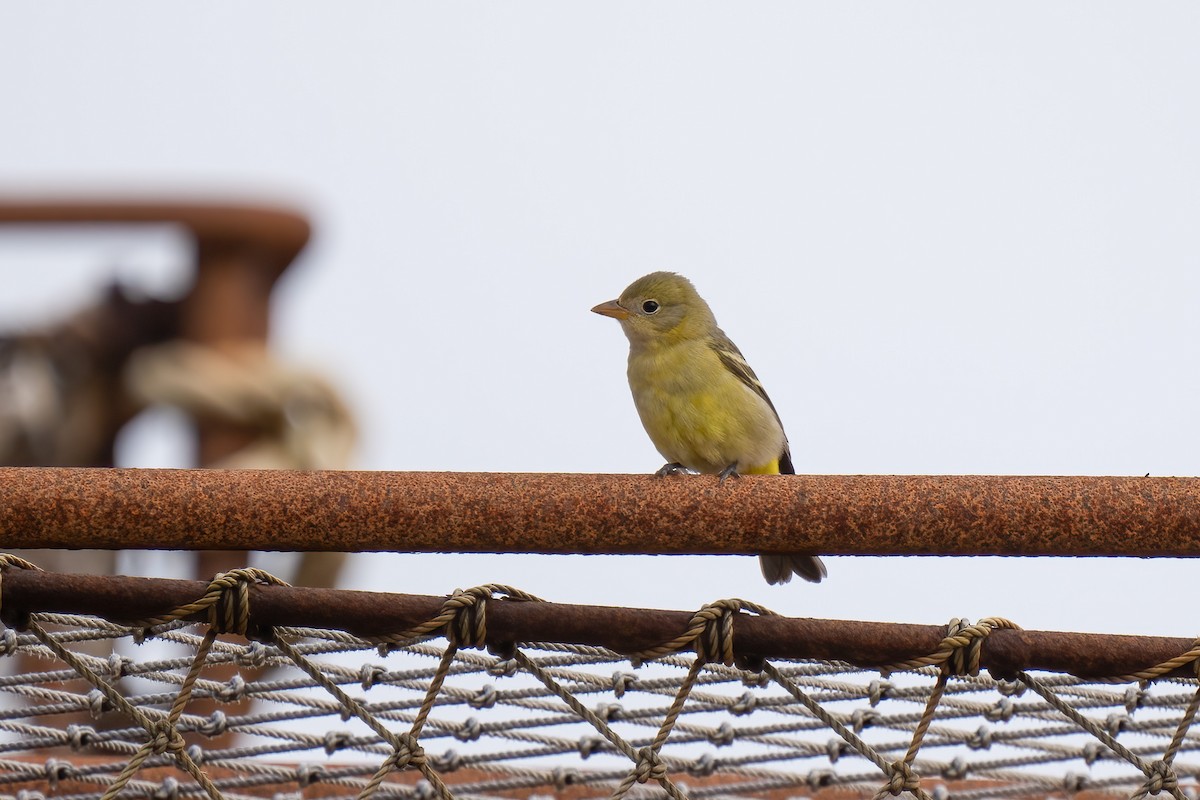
(702, 405)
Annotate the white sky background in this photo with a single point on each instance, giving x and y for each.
(951, 238)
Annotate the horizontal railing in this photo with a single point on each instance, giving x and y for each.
(629, 631)
(582, 513)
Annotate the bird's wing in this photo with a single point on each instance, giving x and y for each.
(735, 362)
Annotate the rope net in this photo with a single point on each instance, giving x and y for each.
(167, 707)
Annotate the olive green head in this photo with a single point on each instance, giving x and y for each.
(661, 306)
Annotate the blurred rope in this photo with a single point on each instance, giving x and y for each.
(300, 420)
(65, 391)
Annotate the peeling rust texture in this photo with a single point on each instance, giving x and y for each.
(549, 513)
(625, 630)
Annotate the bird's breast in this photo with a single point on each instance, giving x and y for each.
(699, 414)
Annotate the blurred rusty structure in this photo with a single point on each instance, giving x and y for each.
(577, 513)
(240, 252)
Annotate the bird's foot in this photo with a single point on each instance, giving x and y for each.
(674, 468)
(729, 472)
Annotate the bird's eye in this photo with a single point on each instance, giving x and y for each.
(650, 306)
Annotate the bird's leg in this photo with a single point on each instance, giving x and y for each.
(674, 468)
(729, 472)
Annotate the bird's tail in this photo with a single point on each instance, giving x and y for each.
(779, 568)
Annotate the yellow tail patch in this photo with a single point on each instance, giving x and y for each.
(770, 468)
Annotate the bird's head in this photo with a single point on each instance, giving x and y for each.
(661, 307)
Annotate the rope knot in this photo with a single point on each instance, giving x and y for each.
(467, 626)
(901, 779)
(469, 731)
(449, 761)
(981, 739)
(862, 718)
(407, 753)
(335, 740)
(308, 774)
(819, 778)
(232, 691)
(503, 668)
(715, 641)
(744, 704)
(165, 737)
(485, 698)
(956, 770)
(80, 736)
(703, 767)
(255, 655)
(464, 615)
(1159, 778)
(369, 674)
(118, 665)
(1074, 782)
(959, 651)
(1002, 711)
(609, 711)
(1134, 697)
(649, 766)
(621, 681)
(588, 745)
(215, 725)
(228, 598)
(562, 777)
(57, 770)
(97, 703)
(710, 634)
(723, 735)
(878, 690)
(1115, 723)
(1093, 752)
(965, 642)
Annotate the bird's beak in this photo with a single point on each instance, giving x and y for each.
(612, 309)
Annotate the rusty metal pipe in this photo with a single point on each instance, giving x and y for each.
(273, 235)
(625, 630)
(548, 513)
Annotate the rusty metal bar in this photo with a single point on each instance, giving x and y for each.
(272, 237)
(549, 513)
(625, 630)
